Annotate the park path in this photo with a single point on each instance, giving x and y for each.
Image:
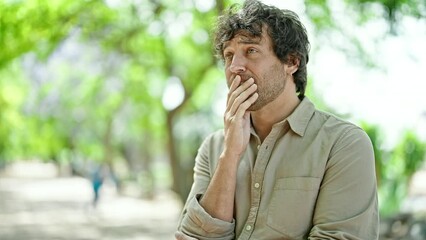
(36, 205)
(47, 208)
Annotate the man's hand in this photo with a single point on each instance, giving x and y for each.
(237, 119)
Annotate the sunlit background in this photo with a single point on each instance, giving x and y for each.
(127, 90)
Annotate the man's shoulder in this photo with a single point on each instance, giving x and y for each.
(331, 119)
(339, 132)
(336, 127)
(320, 117)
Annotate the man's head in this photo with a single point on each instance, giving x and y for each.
(288, 35)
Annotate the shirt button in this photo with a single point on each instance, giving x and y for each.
(248, 227)
(256, 185)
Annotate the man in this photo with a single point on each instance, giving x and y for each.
(280, 169)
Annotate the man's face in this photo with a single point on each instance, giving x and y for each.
(251, 57)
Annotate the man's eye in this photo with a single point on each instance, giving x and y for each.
(251, 50)
(228, 56)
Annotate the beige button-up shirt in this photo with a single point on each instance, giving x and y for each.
(313, 177)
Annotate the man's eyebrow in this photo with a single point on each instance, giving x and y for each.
(243, 41)
(249, 41)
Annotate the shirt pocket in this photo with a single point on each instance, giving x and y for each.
(292, 205)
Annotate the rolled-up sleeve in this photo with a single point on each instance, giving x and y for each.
(347, 205)
(198, 223)
(195, 221)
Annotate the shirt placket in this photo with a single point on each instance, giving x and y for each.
(257, 182)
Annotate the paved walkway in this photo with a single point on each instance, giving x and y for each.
(60, 209)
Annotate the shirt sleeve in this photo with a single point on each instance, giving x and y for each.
(195, 221)
(347, 205)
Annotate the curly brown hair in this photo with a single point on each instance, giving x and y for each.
(288, 34)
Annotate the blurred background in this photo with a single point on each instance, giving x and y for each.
(103, 105)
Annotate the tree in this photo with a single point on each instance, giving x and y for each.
(108, 98)
(34, 27)
(39, 26)
(147, 59)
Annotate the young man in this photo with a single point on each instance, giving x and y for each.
(280, 169)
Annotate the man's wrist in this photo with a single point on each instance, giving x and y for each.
(229, 157)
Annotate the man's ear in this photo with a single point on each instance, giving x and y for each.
(293, 63)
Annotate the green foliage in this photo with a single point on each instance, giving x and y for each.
(320, 14)
(407, 158)
(412, 150)
(373, 131)
(39, 25)
(393, 9)
(12, 95)
(106, 90)
(395, 168)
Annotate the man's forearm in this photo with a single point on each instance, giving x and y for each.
(218, 199)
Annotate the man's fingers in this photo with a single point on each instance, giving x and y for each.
(234, 85)
(235, 91)
(243, 101)
(242, 108)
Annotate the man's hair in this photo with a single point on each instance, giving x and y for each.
(288, 35)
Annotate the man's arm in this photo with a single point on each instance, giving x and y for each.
(347, 202)
(195, 221)
(218, 199)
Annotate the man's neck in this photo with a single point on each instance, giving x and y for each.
(264, 119)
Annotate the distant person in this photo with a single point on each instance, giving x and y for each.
(98, 177)
(280, 169)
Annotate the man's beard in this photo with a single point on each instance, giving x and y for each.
(269, 88)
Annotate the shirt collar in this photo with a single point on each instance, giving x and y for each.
(298, 120)
(300, 117)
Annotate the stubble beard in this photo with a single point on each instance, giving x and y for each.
(271, 86)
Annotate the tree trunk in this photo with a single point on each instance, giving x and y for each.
(109, 152)
(173, 157)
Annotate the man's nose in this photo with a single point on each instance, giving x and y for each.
(238, 64)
